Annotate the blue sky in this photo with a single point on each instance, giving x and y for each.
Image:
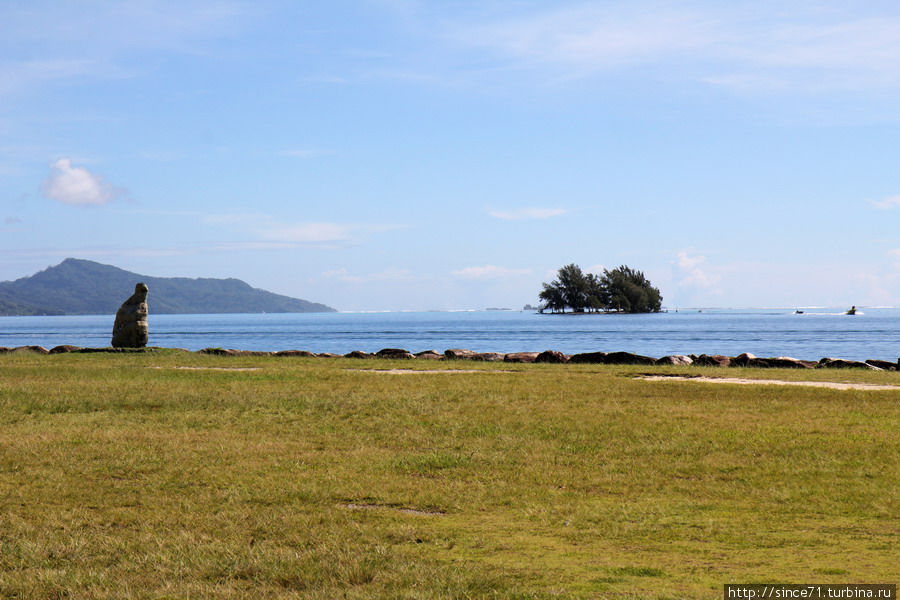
(398, 154)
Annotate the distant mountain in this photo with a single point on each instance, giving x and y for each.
(84, 287)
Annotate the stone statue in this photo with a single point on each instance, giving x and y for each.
(130, 329)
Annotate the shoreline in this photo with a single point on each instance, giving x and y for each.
(545, 357)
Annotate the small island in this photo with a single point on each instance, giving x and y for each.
(621, 290)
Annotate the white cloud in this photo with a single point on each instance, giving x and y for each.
(526, 213)
(77, 186)
(689, 262)
(489, 272)
(886, 203)
(690, 273)
(595, 269)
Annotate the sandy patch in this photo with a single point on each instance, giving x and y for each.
(211, 368)
(418, 371)
(403, 509)
(831, 385)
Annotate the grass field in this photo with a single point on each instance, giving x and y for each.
(122, 477)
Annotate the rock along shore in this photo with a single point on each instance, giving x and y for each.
(548, 356)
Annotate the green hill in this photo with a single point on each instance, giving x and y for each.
(84, 287)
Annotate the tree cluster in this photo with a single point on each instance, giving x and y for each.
(622, 289)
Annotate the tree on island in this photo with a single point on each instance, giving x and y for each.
(621, 290)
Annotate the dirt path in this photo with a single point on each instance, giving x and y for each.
(832, 385)
(418, 371)
(211, 368)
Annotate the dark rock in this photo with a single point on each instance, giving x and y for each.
(4, 349)
(781, 362)
(109, 350)
(627, 358)
(328, 355)
(459, 354)
(489, 356)
(593, 358)
(743, 360)
(220, 351)
(520, 357)
(359, 354)
(36, 349)
(882, 364)
(712, 360)
(131, 329)
(393, 353)
(294, 353)
(429, 355)
(232, 352)
(551, 356)
(840, 363)
(675, 359)
(64, 349)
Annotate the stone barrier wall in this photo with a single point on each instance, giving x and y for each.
(548, 356)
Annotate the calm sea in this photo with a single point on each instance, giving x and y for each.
(872, 333)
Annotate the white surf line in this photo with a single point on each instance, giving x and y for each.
(832, 385)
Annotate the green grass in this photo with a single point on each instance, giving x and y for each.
(123, 477)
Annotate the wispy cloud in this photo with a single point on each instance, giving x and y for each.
(886, 203)
(15, 76)
(112, 252)
(591, 37)
(391, 274)
(74, 43)
(741, 45)
(306, 153)
(322, 232)
(310, 233)
(117, 26)
(77, 186)
(162, 155)
(271, 229)
(526, 213)
(489, 272)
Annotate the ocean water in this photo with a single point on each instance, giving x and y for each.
(871, 333)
